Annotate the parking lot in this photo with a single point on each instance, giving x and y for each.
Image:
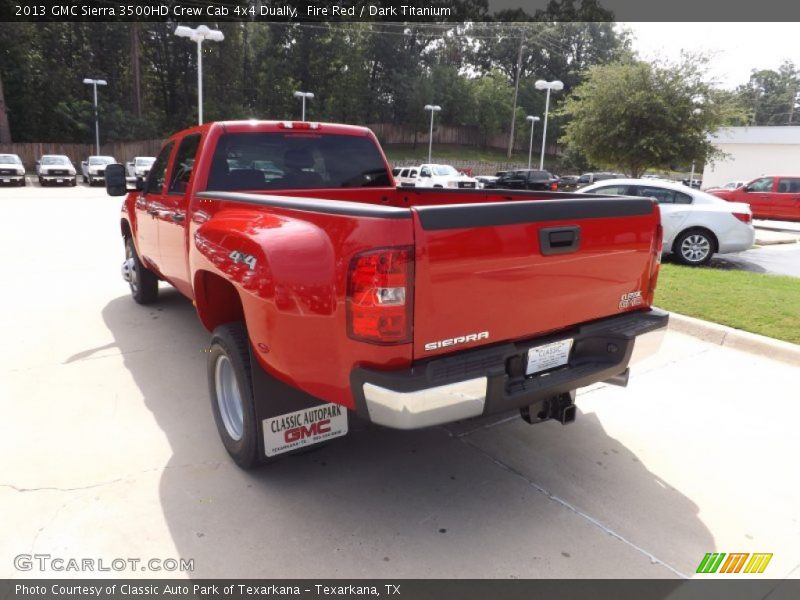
(110, 449)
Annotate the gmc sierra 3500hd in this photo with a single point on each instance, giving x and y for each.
(327, 289)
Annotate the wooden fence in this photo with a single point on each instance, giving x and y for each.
(30, 152)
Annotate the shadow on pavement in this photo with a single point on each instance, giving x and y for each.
(383, 503)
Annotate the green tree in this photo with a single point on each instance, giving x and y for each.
(637, 115)
(771, 97)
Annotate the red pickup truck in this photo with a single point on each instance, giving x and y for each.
(327, 289)
(774, 197)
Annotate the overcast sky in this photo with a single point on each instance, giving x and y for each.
(735, 48)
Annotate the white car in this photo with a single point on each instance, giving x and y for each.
(443, 176)
(94, 168)
(139, 166)
(11, 169)
(56, 168)
(696, 224)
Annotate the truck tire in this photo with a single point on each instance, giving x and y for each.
(694, 247)
(230, 387)
(142, 281)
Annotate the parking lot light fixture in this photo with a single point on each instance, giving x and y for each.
(304, 96)
(199, 35)
(94, 83)
(434, 108)
(533, 121)
(547, 85)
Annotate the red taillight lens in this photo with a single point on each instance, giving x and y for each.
(743, 217)
(554, 186)
(380, 296)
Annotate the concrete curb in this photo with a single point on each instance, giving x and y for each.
(722, 335)
(767, 242)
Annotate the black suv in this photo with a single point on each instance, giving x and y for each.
(527, 179)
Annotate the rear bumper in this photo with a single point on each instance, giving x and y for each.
(491, 380)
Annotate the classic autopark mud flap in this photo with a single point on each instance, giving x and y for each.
(290, 420)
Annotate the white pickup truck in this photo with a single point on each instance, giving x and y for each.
(443, 176)
(138, 167)
(93, 169)
(11, 169)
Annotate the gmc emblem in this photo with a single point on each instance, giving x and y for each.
(302, 432)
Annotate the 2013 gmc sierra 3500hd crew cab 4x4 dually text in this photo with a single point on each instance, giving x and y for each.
(328, 289)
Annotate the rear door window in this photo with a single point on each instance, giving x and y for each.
(612, 190)
(789, 185)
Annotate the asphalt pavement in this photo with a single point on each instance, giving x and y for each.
(110, 451)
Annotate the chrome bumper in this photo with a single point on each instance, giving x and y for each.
(423, 408)
(647, 344)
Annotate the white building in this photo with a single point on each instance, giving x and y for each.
(754, 151)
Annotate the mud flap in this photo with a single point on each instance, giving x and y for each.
(307, 421)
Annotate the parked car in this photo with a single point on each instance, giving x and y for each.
(330, 290)
(486, 181)
(527, 179)
(731, 185)
(443, 176)
(771, 197)
(568, 183)
(139, 166)
(407, 177)
(694, 183)
(93, 168)
(696, 225)
(56, 168)
(590, 178)
(12, 170)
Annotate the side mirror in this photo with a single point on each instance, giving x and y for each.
(747, 188)
(116, 184)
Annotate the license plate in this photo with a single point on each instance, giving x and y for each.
(548, 356)
(6, 181)
(291, 431)
(59, 181)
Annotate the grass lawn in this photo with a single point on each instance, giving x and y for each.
(764, 304)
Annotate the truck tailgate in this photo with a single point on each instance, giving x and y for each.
(493, 272)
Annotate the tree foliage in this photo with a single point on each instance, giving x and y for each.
(360, 72)
(636, 115)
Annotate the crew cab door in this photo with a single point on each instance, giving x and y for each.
(148, 205)
(171, 219)
(786, 201)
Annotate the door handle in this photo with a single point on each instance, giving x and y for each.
(152, 211)
(178, 217)
(559, 240)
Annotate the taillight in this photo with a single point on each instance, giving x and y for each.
(554, 186)
(743, 217)
(380, 296)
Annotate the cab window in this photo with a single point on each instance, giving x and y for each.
(158, 173)
(761, 185)
(184, 162)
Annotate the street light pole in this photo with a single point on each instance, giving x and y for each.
(533, 121)
(94, 83)
(303, 96)
(547, 85)
(434, 108)
(199, 35)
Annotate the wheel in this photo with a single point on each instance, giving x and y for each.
(41, 182)
(142, 281)
(231, 389)
(74, 182)
(23, 183)
(694, 247)
(89, 181)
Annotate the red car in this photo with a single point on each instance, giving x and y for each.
(770, 197)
